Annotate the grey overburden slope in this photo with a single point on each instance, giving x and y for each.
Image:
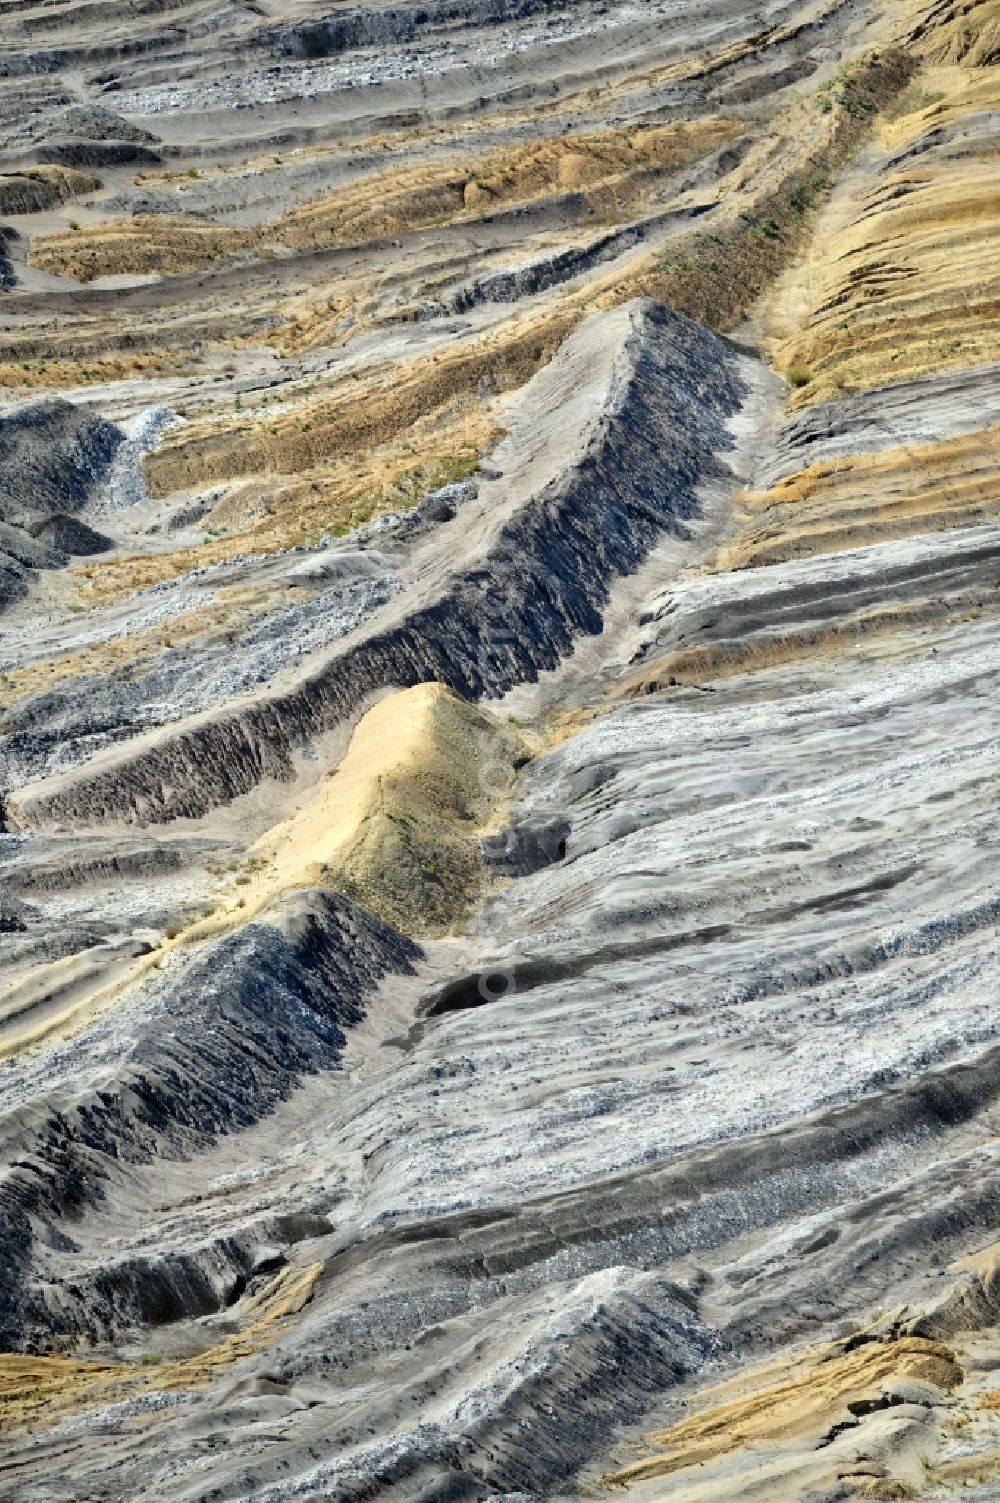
(605, 457)
(210, 1047)
(499, 928)
(53, 458)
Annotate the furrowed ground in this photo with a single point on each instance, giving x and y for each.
(498, 744)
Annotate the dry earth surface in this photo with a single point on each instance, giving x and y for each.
(499, 924)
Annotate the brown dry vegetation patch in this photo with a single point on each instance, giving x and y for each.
(38, 1391)
(915, 287)
(273, 512)
(357, 415)
(77, 344)
(328, 314)
(615, 170)
(791, 1398)
(712, 277)
(716, 276)
(870, 498)
(610, 167)
(340, 454)
(63, 374)
(940, 95)
(147, 243)
(416, 857)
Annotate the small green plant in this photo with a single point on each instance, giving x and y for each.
(74, 224)
(193, 172)
(798, 375)
(150, 1359)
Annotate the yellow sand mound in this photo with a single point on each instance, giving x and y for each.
(396, 825)
(791, 1398)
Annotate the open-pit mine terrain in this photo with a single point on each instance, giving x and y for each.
(499, 751)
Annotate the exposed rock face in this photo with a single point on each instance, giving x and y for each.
(35, 189)
(910, 412)
(527, 846)
(13, 915)
(70, 535)
(53, 458)
(93, 122)
(396, 24)
(247, 1020)
(553, 270)
(7, 278)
